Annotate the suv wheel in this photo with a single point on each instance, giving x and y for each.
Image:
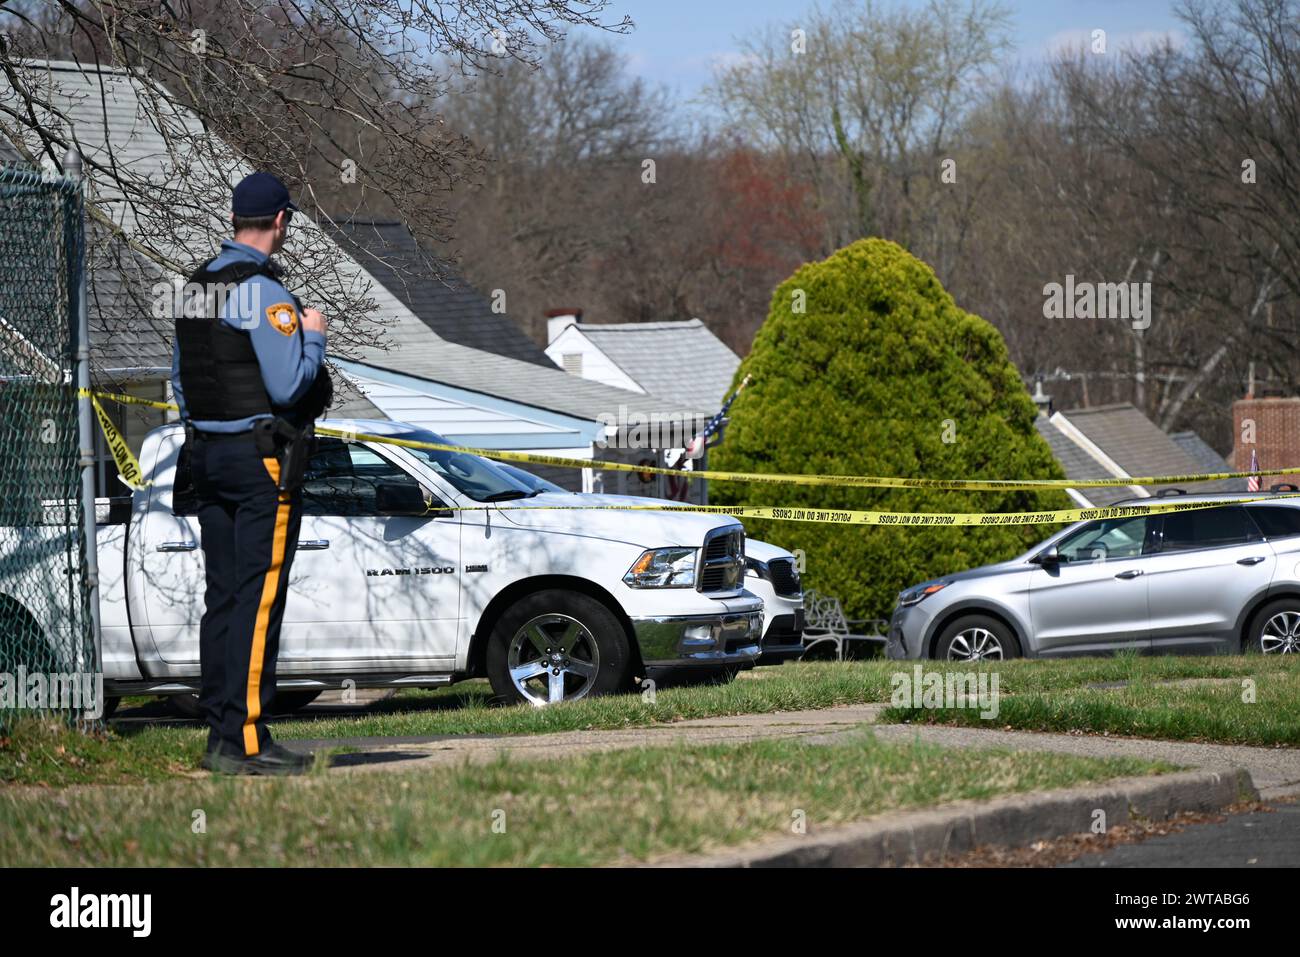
(977, 638)
(1276, 629)
(557, 646)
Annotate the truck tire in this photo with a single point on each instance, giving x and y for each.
(555, 646)
(22, 641)
(185, 705)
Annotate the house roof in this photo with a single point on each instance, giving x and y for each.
(121, 338)
(1079, 465)
(115, 118)
(432, 289)
(1208, 459)
(682, 360)
(1135, 444)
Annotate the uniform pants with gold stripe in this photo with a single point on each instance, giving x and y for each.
(249, 533)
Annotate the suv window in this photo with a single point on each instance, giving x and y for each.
(1106, 540)
(341, 479)
(1207, 528)
(1276, 521)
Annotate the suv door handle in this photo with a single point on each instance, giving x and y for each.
(177, 546)
(1252, 560)
(1131, 573)
(314, 545)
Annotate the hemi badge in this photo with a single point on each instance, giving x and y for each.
(476, 568)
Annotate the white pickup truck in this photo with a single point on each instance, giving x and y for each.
(417, 568)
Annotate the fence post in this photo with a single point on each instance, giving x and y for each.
(72, 168)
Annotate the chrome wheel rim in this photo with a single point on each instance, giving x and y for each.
(553, 658)
(1281, 634)
(975, 644)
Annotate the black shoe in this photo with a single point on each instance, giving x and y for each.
(274, 760)
(278, 759)
(206, 762)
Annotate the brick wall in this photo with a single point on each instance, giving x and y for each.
(1277, 436)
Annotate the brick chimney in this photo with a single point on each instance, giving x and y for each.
(1275, 426)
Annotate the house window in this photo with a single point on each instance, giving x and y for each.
(573, 363)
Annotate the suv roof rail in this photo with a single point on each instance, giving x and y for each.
(1166, 492)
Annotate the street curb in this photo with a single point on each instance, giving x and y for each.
(929, 836)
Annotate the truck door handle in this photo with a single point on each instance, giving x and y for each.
(1252, 560)
(314, 544)
(1131, 573)
(178, 546)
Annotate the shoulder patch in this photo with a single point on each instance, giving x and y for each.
(283, 318)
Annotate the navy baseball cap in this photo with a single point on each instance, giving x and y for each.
(260, 194)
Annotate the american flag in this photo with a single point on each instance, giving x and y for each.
(1252, 483)
(696, 445)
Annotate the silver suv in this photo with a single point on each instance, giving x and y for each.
(1203, 581)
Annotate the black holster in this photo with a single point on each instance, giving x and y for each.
(289, 445)
(185, 497)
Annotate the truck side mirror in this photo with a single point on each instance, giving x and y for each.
(392, 498)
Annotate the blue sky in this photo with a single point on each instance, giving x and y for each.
(676, 41)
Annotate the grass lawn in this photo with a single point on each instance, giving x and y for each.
(1036, 695)
(604, 808)
(1259, 708)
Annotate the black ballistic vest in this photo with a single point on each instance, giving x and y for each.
(219, 373)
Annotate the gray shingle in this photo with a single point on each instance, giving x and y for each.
(1079, 465)
(1139, 446)
(682, 360)
(184, 165)
(432, 289)
(1208, 459)
(123, 331)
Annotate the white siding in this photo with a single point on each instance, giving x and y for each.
(594, 364)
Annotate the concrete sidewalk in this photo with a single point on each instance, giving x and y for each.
(1275, 771)
(415, 753)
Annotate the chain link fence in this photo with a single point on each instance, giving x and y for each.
(45, 612)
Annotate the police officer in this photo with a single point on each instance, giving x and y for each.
(248, 375)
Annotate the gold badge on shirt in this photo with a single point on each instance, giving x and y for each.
(283, 318)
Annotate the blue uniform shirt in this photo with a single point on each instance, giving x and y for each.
(288, 361)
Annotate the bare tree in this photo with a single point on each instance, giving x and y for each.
(866, 100)
(338, 97)
(1211, 133)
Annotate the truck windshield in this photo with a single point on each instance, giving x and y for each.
(536, 482)
(478, 478)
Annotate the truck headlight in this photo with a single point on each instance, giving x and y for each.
(920, 592)
(663, 568)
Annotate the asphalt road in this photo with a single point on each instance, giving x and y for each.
(1259, 839)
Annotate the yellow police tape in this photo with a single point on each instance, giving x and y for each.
(793, 514)
(128, 466)
(839, 516)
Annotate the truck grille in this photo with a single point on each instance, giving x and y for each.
(785, 580)
(723, 563)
